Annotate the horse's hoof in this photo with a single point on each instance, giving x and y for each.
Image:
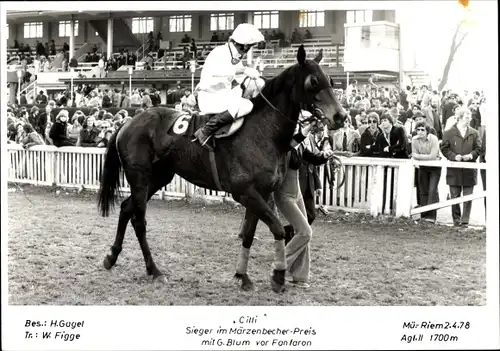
(277, 288)
(107, 263)
(247, 286)
(161, 279)
(278, 281)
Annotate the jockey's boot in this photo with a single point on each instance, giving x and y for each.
(214, 123)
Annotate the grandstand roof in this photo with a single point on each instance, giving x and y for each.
(47, 15)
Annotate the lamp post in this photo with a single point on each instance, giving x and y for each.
(130, 71)
(19, 76)
(72, 70)
(192, 68)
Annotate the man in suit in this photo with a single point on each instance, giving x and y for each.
(431, 113)
(392, 142)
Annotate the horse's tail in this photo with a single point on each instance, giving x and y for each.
(110, 177)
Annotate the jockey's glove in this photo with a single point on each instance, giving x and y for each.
(252, 73)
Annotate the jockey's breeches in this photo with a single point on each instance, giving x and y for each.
(230, 100)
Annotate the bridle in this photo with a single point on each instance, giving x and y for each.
(316, 113)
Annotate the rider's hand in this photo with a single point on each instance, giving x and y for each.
(252, 73)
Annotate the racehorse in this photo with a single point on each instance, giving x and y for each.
(251, 164)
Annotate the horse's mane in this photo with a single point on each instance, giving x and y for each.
(273, 87)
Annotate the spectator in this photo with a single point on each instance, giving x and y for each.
(136, 98)
(461, 143)
(425, 147)
(185, 39)
(345, 141)
(46, 134)
(75, 128)
(448, 108)
(155, 98)
(296, 37)
(368, 142)
(41, 99)
(431, 113)
(124, 100)
(101, 64)
(188, 101)
(31, 137)
(392, 142)
(308, 34)
(58, 132)
(89, 134)
(214, 38)
(146, 100)
(106, 99)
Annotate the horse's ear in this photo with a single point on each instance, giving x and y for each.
(301, 55)
(319, 56)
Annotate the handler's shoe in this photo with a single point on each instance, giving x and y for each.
(300, 284)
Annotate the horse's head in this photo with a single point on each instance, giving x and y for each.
(315, 92)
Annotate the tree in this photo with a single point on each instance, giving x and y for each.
(458, 39)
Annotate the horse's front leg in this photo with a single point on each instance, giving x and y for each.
(247, 234)
(257, 205)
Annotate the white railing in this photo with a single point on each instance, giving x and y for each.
(372, 185)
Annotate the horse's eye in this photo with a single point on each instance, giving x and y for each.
(311, 82)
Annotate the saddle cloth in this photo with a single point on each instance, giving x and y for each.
(186, 123)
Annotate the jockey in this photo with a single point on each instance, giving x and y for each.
(219, 89)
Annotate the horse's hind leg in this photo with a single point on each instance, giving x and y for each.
(159, 178)
(247, 233)
(126, 211)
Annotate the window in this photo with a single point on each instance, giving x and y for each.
(311, 18)
(221, 21)
(33, 30)
(361, 16)
(266, 19)
(180, 23)
(64, 28)
(142, 25)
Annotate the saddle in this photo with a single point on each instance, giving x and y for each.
(187, 124)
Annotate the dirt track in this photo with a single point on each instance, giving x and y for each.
(57, 244)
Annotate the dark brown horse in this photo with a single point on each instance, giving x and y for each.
(251, 164)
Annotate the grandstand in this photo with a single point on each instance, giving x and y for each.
(130, 39)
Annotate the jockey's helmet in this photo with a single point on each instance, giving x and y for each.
(246, 35)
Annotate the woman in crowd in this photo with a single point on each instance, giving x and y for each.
(368, 143)
(59, 130)
(89, 134)
(19, 133)
(76, 126)
(31, 137)
(425, 147)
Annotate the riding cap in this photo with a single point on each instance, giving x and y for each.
(247, 34)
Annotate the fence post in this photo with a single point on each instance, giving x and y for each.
(405, 188)
(50, 166)
(377, 190)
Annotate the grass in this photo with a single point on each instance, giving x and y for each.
(57, 243)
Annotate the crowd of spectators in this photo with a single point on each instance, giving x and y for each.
(38, 125)
(417, 123)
